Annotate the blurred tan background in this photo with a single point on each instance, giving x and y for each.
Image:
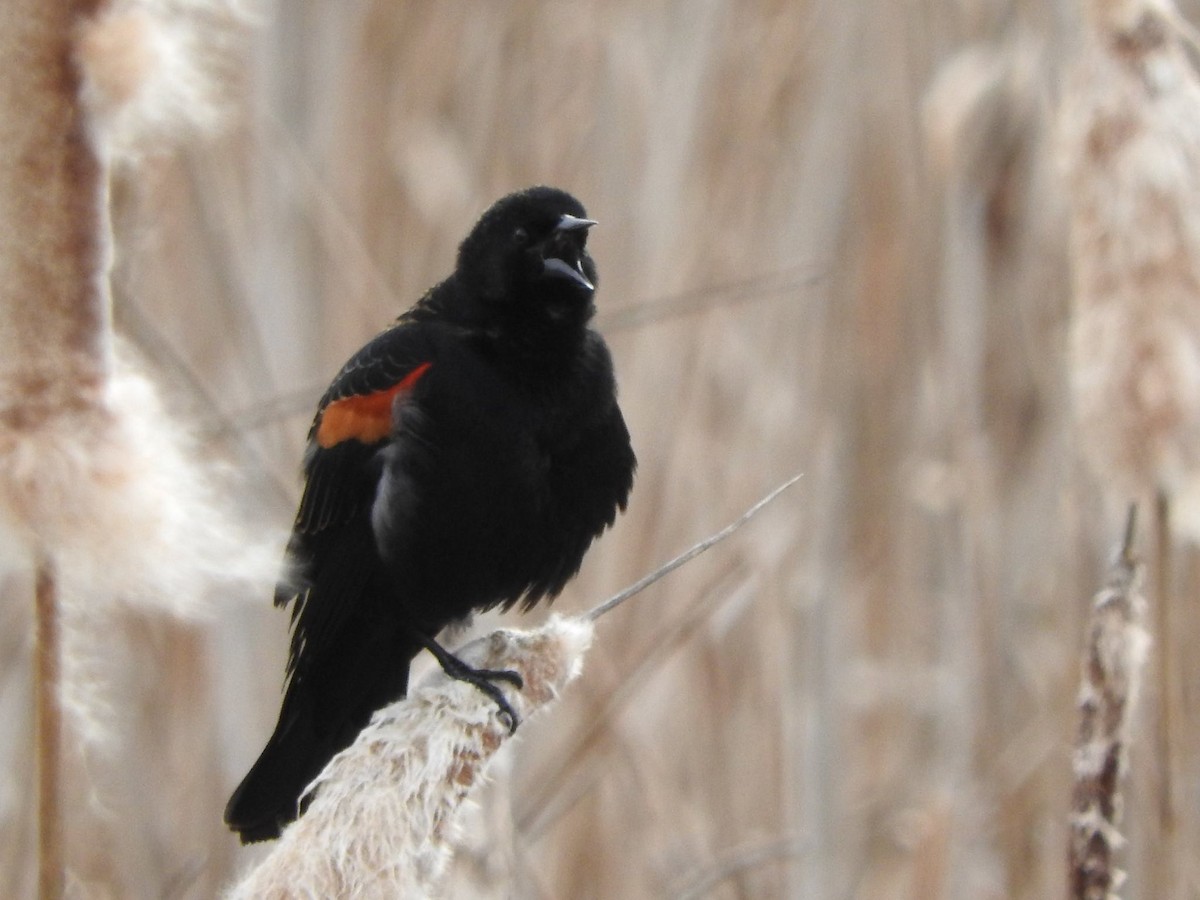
(832, 241)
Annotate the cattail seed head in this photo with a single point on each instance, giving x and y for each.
(383, 817)
(1130, 133)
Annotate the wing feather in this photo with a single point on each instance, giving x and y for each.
(340, 466)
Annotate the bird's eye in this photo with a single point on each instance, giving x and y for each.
(520, 237)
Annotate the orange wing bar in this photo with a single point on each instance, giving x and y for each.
(364, 417)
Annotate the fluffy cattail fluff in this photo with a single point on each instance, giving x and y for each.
(116, 491)
(156, 70)
(119, 492)
(1110, 676)
(383, 819)
(1130, 132)
(95, 477)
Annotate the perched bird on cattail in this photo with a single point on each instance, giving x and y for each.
(463, 459)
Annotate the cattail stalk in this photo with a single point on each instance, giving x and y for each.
(48, 729)
(1131, 150)
(383, 817)
(1110, 677)
(1131, 145)
(54, 352)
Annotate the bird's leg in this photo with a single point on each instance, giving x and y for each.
(481, 678)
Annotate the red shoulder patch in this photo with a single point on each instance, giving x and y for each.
(364, 417)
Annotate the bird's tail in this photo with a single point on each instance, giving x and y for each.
(268, 797)
(303, 742)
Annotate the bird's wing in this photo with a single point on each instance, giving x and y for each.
(353, 422)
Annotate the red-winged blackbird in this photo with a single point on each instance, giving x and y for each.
(463, 459)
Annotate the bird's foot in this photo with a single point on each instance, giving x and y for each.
(483, 679)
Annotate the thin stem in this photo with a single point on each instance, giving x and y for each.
(739, 861)
(691, 553)
(48, 715)
(1126, 549)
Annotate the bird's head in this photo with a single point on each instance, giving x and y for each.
(528, 256)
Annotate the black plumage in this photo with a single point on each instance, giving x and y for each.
(463, 459)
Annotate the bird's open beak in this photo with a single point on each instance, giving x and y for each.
(564, 251)
(573, 223)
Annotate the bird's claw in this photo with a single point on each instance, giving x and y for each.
(483, 680)
(508, 715)
(512, 677)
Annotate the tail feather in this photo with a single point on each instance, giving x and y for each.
(316, 723)
(268, 797)
(351, 647)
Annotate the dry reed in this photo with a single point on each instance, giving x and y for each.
(101, 494)
(1110, 681)
(1131, 147)
(52, 336)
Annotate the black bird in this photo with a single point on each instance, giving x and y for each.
(463, 459)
